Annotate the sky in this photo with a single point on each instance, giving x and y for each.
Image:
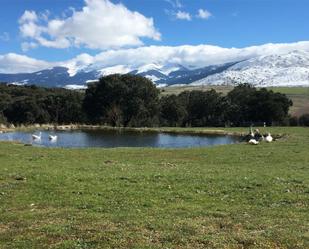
(38, 33)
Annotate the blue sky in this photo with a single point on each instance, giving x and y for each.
(49, 30)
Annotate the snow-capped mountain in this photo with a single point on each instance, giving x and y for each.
(160, 74)
(288, 69)
(53, 77)
(291, 69)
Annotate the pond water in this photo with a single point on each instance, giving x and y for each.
(109, 139)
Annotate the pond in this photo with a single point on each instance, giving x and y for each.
(110, 139)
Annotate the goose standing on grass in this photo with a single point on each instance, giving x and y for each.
(269, 138)
(52, 137)
(251, 132)
(258, 136)
(37, 137)
(250, 135)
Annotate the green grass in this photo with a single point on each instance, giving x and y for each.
(291, 90)
(226, 89)
(231, 196)
(299, 96)
(179, 89)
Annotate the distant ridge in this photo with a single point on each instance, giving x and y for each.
(290, 69)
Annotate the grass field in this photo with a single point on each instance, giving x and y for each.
(299, 95)
(178, 89)
(230, 196)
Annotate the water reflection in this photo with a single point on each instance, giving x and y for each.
(101, 138)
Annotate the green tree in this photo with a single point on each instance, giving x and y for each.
(304, 120)
(126, 100)
(26, 111)
(172, 112)
(32, 104)
(246, 104)
(203, 108)
(238, 110)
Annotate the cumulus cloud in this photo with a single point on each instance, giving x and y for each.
(28, 16)
(175, 3)
(188, 56)
(100, 24)
(182, 15)
(203, 14)
(15, 63)
(25, 46)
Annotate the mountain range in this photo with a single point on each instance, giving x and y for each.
(290, 69)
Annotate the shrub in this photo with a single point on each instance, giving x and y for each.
(293, 121)
(304, 120)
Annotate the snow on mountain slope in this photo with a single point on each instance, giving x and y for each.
(153, 78)
(75, 87)
(169, 68)
(147, 67)
(121, 69)
(277, 69)
(291, 69)
(165, 69)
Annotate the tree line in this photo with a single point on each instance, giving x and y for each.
(32, 104)
(134, 101)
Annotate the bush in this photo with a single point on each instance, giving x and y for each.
(2, 119)
(304, 120)
(293, 121)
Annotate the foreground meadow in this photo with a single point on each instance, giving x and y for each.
(231, 196)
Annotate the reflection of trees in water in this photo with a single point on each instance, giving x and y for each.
(121, 138)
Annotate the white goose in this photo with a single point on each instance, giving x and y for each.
(251, 132)
(37, 137)
(253, 142)
(269, 138)
(52, 137)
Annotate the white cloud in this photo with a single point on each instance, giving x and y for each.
(175, 3)
(182, 15)
(28, 16)
(188, 56)
(28, 29)
(25, 46)
(99, 25)
(203, 14)
(15, 63)
(5, 37)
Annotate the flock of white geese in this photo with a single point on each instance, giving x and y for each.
(255, 138)
(50, 137)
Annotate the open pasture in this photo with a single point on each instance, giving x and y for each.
(230, 196)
